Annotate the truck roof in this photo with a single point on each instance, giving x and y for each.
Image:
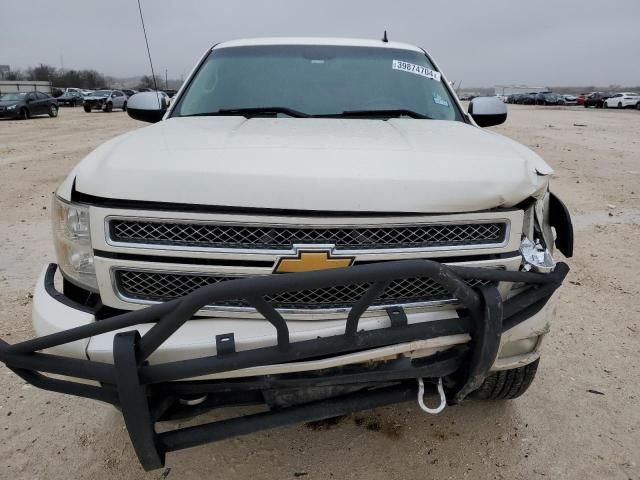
(343, 42)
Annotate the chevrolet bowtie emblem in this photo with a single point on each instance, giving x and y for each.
(307, 261)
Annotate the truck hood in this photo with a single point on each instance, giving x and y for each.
(342, 165)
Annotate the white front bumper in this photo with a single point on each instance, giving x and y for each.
(196, 338)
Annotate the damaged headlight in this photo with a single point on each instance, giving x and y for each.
(536, 257)
(72, 241)
(536, 246)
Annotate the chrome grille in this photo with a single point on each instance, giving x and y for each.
(230, 236)
(161, 286)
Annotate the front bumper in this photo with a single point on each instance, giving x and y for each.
(14, 113)
(94, 103)
(148, 392)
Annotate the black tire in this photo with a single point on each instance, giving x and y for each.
(108, 107)
(638, 106)
(124, 107)
(586, 106)
(53, 111)
(507, 384)
(87, 108)
(605, 105)
(619, 104)
(24, 114)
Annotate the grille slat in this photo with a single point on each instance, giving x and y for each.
(161, 286)
(229, 236)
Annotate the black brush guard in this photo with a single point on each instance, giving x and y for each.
(148, 393)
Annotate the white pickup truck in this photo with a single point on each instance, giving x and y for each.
(314, 225)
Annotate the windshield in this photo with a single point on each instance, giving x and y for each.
(101, 93)
(318, 80)
(10, 97)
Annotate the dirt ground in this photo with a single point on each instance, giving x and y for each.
(581, 418)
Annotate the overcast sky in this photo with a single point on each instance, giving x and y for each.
(481, 42)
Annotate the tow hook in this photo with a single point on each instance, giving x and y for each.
(443, 398)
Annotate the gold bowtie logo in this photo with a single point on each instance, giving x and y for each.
(308, 261)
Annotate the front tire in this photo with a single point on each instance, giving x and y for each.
(53, 111)
(619, 104)
(87, 108)
(108, 107)
(507, 384)
(24, 114)
(124, 107)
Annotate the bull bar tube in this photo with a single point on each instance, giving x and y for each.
(147, 393)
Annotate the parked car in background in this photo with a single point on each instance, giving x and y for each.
(166, 96)
(128, 92)
(86, 93)
(550, 98)
(540, 98)
(623, 100)
(528, 98)
(171, 92)
(570, 100)
(596, 99)
(73, 98)
(105, 100)
(580, 99)
(514, 97)
(25, 105)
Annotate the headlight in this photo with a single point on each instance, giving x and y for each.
(11, 107)
(72, 241)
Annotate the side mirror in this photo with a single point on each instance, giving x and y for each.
(488, 111)
(147, 107)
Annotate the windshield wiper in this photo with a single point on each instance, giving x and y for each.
(250, 112)
(396, 112)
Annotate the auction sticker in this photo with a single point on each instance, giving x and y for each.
(416, 69)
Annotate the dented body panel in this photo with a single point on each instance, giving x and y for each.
(315, 164)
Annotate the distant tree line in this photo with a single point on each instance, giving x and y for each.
(146, 81)
(76, 78)
(59, 77)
